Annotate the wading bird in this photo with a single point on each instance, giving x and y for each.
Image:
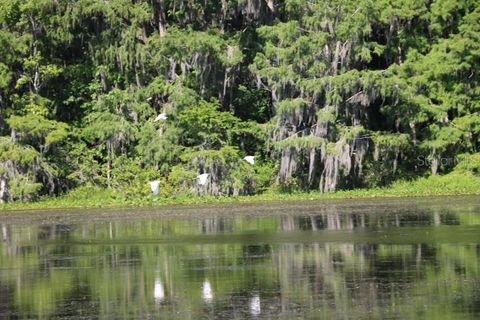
(250, 159)
(155, 186)
(202, 179)
(161, 116)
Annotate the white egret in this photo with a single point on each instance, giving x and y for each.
(250, 159)
(159, 291)
(161, 116)
(155, 186)
(202, 179)
(207, 292)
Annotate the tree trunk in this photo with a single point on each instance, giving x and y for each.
(162, 19)
(109, 162)
(3, 189)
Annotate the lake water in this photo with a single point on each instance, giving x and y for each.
(382, 259)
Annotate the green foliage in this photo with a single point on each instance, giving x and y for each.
(250, 137)
(23, 155)
(252, 103)
(306, 142)
(265, 176)
(291, 105)
(37, 131)
(206, 126)
(341, 93)
(326, 114)
(180, 180)
(22, 188)
(452, 183)
(468, 163)
(131, 179)
(392, 142)
(85, 168)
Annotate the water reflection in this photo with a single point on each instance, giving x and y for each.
(4, 232)
(255, 308)
(345, 221)
(400, 262)
(159, 291)
(207, 293)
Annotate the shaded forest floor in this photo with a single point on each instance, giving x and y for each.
(91, 197)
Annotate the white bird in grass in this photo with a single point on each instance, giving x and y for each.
(202, 179)
(155, 186)
(250, 159)
(207, 293)
(161, 116)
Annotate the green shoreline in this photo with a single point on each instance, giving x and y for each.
(448, 185)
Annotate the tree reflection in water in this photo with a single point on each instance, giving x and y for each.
(207, 293)
(384, 262)
(159, 291)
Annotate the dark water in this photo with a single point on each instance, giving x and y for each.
(402, 259)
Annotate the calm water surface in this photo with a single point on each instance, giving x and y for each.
(384, 259)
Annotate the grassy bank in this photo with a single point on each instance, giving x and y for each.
(451, 184)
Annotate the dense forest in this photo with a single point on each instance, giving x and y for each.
(326, 95)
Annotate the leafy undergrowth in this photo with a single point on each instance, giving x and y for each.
(454, 183)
